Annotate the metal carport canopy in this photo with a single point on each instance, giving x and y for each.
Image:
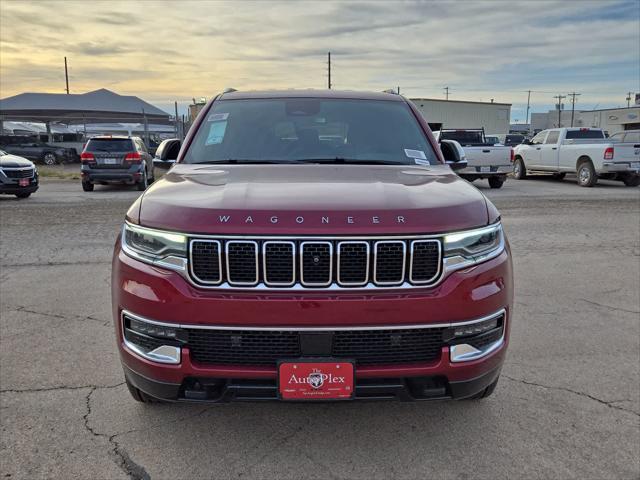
(97, 106)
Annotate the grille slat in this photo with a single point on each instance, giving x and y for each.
(284, 263)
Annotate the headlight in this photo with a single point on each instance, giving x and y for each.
(462, 249)
(165, 249)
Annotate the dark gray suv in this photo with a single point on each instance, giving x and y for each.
(111, 159)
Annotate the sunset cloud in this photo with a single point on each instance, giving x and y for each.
(166, 51)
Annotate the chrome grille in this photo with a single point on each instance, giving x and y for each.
(353, 263)
(315, 263)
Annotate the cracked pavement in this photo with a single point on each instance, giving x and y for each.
(567, 406)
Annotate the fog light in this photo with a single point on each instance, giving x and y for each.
(152, 329)
(475, 328)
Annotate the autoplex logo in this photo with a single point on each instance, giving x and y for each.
(316, 379)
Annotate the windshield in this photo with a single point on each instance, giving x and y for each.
(310, 130)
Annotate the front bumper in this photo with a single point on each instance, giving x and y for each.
(11, 186)
(167, 297)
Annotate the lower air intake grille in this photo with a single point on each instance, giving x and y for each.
(265, 348)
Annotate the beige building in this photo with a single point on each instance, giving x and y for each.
(493, 117)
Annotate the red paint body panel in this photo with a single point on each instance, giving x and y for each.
(290, 199)
(166, 296)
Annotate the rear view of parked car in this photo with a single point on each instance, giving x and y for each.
(122, 160)
(18, 176)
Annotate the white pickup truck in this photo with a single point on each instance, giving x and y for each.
(584, 151)
(484, 159)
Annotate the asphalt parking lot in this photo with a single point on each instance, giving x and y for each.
(567, 406)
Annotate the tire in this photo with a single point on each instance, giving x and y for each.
(49, 158)
(586, 174)
(143, 183)
(23, 194)
(496, 182)
(87, 186)
(559, 176)
(631, 180)
(137, 394)
(487, 392)
(519, 169)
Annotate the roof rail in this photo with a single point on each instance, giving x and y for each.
(391, 91)
(229, 90)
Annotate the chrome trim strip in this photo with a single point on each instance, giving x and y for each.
(164, 354)
(293, 264)
(404, 262)
(466, 353)
(318, 329)
(255, 253)
(192, 273)
(366, 274)
(440, 262)
(315, 284)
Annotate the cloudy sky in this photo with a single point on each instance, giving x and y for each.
(166, 51)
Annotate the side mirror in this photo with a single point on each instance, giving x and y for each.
(167, 154)
(459, 165)
(453, 154)
(526, 141)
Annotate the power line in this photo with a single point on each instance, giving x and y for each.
(573, 96)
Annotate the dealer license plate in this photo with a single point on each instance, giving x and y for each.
(485, 169)
(312, 380)
(110, 161)
(635, 165)
(23, 182)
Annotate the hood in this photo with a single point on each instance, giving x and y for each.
(311, 199)
(13, 161)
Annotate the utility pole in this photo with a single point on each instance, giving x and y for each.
(629, 99)
(178, 133)
(66, 74)
(573, 96)
(398, 90)
(446, 92)
(560, 97)
(329, 64)
(528, 106)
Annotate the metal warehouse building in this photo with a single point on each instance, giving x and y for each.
(611, 120)
(493, 117)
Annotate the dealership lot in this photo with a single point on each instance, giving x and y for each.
(568, 403)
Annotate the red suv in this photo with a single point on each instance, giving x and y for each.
(312, 246)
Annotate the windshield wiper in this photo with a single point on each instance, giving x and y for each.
(349, 161)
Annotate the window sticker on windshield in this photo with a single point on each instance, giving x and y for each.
(216, 133)
(218, 117)
(415, 154)
(419, 161)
